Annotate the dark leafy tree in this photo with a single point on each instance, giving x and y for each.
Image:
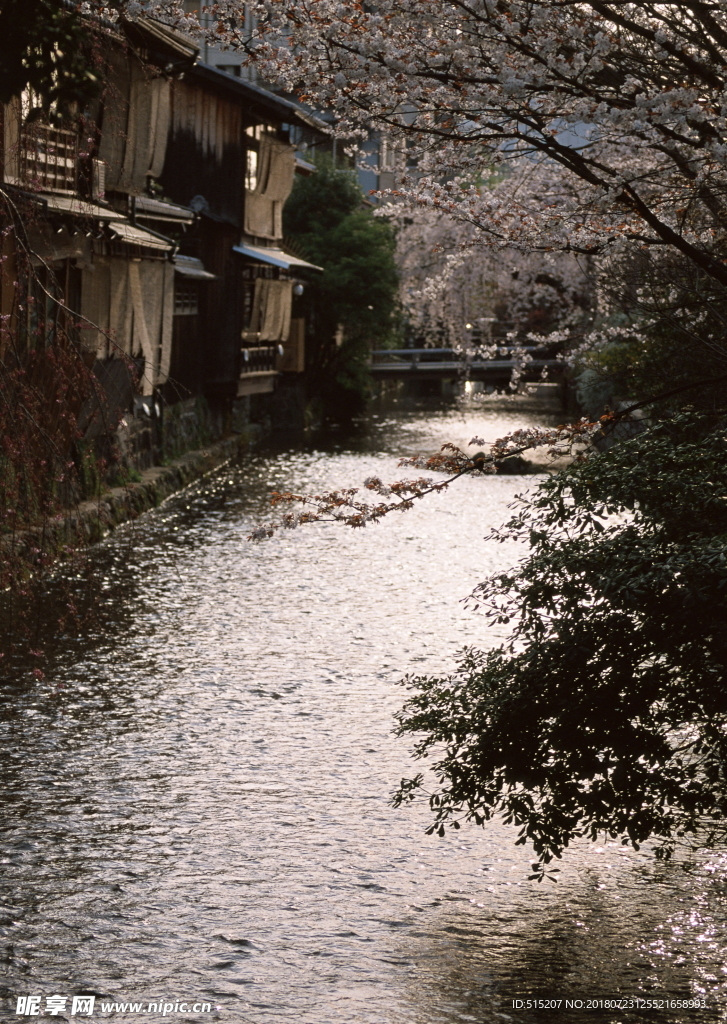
(660, 326)
(46, 47)
(606, 710)
(353, 303)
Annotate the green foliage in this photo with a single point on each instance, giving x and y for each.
(606, 710)
(665, 328)
(325, 219)
(46, 47)
(321, 200)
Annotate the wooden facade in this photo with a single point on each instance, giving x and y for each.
(145, 233)
(219, 127)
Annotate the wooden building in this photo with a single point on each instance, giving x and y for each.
(153, 224)
(231, 161)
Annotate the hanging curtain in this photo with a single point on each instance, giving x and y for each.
(276, 325)
(275, 173)
(151, 287)
(132, 304)
(135, 125)
(259, 216)
(120, 310)
(281, 170)
(271, 306)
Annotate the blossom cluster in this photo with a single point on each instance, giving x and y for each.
(542, 127)
(345, 506)
(577, 127)
(486, 301)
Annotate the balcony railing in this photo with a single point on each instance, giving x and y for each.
(259, 359)
(49, 158)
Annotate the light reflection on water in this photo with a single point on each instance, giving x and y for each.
(196, 801)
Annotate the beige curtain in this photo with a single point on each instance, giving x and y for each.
(263, 164)
(135, 125)
(143, 320)
(277, 220)
(276, 325)
(120, 310)
(259, 215)
(161, 115)
(151, 289)
(132, 302)
(275, 173)
(165, 324)
(281, 170)
(271, 307)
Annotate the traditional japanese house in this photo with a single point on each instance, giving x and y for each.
(231, 159)
(97, 273)
(154, 227)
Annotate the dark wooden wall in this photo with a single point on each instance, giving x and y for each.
(206, 150)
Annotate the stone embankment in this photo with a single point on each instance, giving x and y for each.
(90, 521)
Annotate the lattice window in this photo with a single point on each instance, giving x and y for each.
(49, 158)
(186, 300)
(259, 359)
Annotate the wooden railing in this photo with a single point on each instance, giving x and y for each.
(448, 362)
(259, 359)
(49, 158)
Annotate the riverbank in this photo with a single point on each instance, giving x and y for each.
(90, 521)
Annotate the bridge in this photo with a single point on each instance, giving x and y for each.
(449, 363)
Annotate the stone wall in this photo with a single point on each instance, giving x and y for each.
(90, 521)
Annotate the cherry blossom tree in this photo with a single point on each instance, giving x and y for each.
(540, 126)
(456, 292)
(550, 125)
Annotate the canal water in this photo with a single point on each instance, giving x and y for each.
(196, 799)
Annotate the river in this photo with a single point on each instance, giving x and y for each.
(196, 799)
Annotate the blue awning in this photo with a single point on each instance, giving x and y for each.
(275, 257)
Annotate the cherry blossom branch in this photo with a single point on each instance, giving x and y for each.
(343, 506)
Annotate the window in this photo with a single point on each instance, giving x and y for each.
(251, 170)
(49, 157)
(186, 300)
